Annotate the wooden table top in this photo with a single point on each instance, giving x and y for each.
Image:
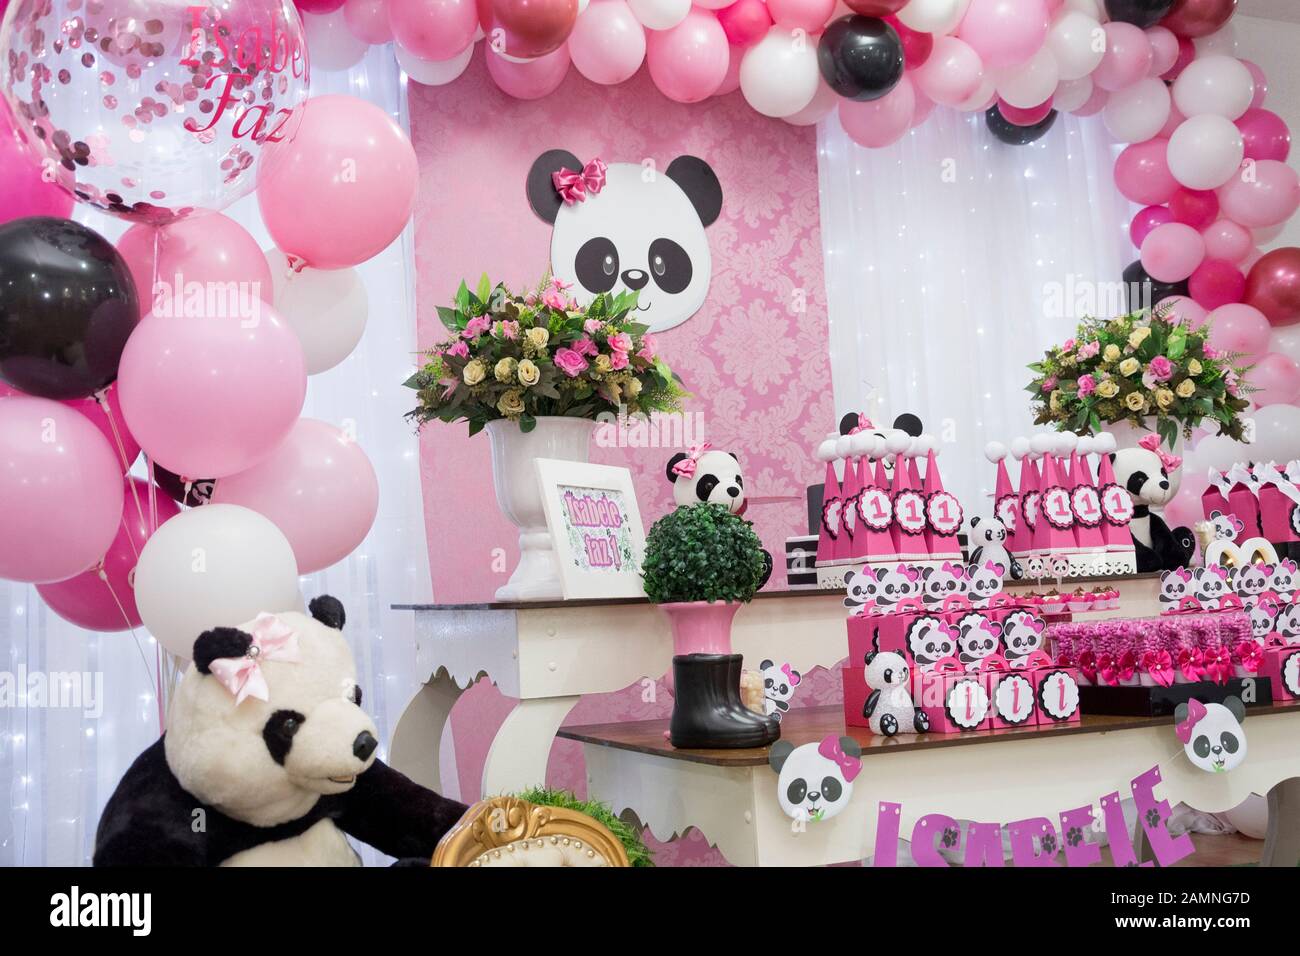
(811, 724)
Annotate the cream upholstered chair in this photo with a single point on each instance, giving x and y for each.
(507, 831)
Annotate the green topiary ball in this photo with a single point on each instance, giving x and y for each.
(702, 553)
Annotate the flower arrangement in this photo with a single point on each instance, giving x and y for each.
(702, 553)
(1139, 366)
(519, 356)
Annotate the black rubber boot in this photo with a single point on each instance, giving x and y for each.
(707, 712)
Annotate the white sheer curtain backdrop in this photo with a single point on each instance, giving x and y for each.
(59, 766)
(952, 261)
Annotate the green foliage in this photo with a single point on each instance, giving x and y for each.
(638, 854)
(702, 553)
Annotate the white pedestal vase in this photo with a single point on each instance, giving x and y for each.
(537, 576)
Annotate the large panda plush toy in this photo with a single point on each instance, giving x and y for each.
(1143, 473)
(630, 227)
(704, 475)
(269, 760)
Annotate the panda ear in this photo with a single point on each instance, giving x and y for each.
(778, 754)
(1180, 713)
(672, 462)
(909, 423)
(850, 747)
(734, 456)
(1112, 458)
(328, 610)
(698, 180)
(542, 195)
(764, 665)
(1236, 707)
(849, 422)
(218, 643)
(975, 521)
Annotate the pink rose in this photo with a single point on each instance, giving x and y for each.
(569, 362)
(649, 347)
(1068, 346)
(1089, 349)
(1162, 370)
(1087, 385)
(621, 342)
(618, 360)
(460, 349)
(555, 299)
(585, 346)
(592, 326)
(1049, 383)
(510, 329)
(1210, 353)
(477, 326)
(559, 285)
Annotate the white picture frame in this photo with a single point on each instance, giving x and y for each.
(595, 527)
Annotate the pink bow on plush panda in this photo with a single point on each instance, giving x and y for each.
(1152, 444)
(273, 640)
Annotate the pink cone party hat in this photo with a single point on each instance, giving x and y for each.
(1024, 537)
(1006, 503)
(1054, 531)
(831, 525)
(908, 527)
(943, 514)
(1085, 502)
(1116, 502)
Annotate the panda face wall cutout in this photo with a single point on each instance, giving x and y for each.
(641, 231)
(815, 781)
(1211, 734)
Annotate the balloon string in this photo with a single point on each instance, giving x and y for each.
(102, 398)
(153, 496)
(103, 576)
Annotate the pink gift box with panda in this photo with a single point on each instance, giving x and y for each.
(954, 699)
(1011, 694)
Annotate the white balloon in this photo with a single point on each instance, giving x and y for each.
(1222, 42)
(660, 14)
(1221, 85)
(1032, 82)
(1072, 94)
(1205, 151)
(823, 101)
(1250, 817)
(1263, 235)
(1092, 8)
(1287, 341)
(213, 566)
(933, 16)
(326, 308)
(333, 46)
(979, 100)
(1277, 434)
(433, 72)
(1077, 42)
(779, 75)
(1138, 112)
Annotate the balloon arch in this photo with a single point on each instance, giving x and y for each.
(155, 111)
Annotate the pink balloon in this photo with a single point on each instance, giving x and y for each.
(689, 61)
(368, 20)
(607, 44)
(1186, 310)
(1261, 83)
(746, 21)
(1217, 283)
(317, 214)
(1225, 239)
(210, 251)
(1194, 207)
(1146, 220)
(1024, 117)
(1006, 32)
(1185, 508)
(1127, 58)
(1142, 173)
(211, 397)
(1172, 252)
(1186, 54)
(111, 422)
(318, 6)
(1277, 378)
(317, 486)
(107, 603)
(26, 193)
(952, 74)
(60, 491)
(1176, 119)
(1094, 104)
(917, 45)
(1265, 135)
(1164, 50)
(879, 122)
(1239, 328)
(532, 79)
(433, 29)
(923, 108)
(810, 15)
(731, 82)
(1263, 194)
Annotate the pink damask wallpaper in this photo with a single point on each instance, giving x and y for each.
(755, 356)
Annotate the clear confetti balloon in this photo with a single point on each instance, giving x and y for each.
(154, 109)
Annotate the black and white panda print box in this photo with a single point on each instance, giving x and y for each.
(632, 227)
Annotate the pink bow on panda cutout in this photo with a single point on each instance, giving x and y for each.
(1195, 713)
(686, 467)
(573, 187)
(792, 678)
(1152, 444)
(830, 748)
(273, 640)
(864, 424)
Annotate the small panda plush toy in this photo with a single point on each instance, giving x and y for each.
(706, 475)
(815, 781)
(778, 687)
(1144, 473)
(1212, 735)
(987, 539)
(889, 709)
(269, 760)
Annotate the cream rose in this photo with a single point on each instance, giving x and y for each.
(1186, 388)
(1134, 401)
(1138, 336)
(529, 373)
(1129, 366)
(538, 337)
(602, 363)
(634, 388)
(1107, 389)
(1164, 397)
(505, 370)
(1194, 367)
(475, 372)
(511, 403)
(1111, 354)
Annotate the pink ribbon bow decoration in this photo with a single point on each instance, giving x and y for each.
(1088, 665)
(573, 187)
(1218, 664)
(1160, 665)
(831, 750)
(790, 674)
(1152, 443)
(864, 424)
(1195, 712)
(686, 467)
(1250, 655)
(273, 640)
(1191, 661)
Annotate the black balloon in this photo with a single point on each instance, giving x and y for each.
(67, 307)
(861, 58)
(1014, 135)
(200, 491)
(1144, 292)
(1140, 13)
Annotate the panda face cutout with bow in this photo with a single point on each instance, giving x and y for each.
(624, 227)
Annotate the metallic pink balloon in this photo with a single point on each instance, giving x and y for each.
(1217, 283)
(1198, 18)
(529, 28)
(1265, 135)
(318, 487)
(1273, 286)
(60, 491)
(107, 603)
(26, 191)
